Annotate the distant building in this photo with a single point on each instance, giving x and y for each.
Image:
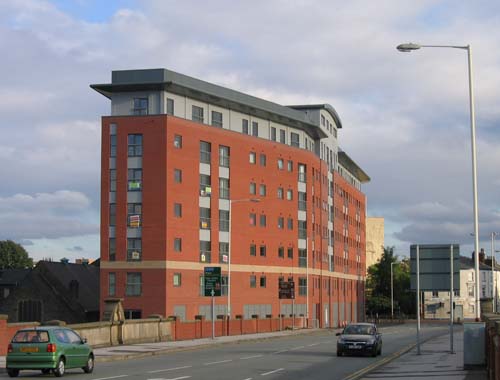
(374, 240)
(51, 290)
(437, 304)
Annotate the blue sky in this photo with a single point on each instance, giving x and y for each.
(405, 116)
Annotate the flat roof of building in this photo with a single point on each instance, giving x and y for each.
(352, 167)
(171, 81)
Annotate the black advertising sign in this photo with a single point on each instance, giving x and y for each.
(287, 290)
(212, 281)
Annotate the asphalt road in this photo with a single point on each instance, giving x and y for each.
(308, 356)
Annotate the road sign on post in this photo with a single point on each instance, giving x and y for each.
(287, 290)
(212, 281)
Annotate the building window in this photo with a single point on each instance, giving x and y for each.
(205, 218)
(289, 223)
(178, 141)
(244, 126)
(170, 106)
(289, 194)
(281, 222)
(217, 119)
(435, 294)
(112, 145)
(112, 180)
(140, 106)
(294, 139)
(178, 175)
(177, 210)
(262, 220)
(223, 252)
(273, 133)
(302, 227)
(253, 250)
(302, 286)
(112, 284)
(263, 250)
(262, 281)
(253, 281)
(205, 185)
(134, 180)
(197, 114)
(177, 279)
(205, 251)
(135, 145)
(134, 249)
(262, 159)
(302, 201)
(134, 214)
(280, 193)
(253, 219)
(302, 173)
(205, 151)
(177, 244)
(281, 252)
(223, 188)
(290, 166)
(282, 136)
(290, 252)
(112, 249)
(280, 164)
(253, 188)
(132, 314)
(252, 158)
(112, 214)
(302, 258)
(134, 284)
(224, 156)
(255, 128)
(224, 220)
(262, 190)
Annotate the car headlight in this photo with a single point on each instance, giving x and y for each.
(340, 340)
(371, 341)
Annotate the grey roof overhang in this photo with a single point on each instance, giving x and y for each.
(353, 168)
(166, 80)
(327, 107)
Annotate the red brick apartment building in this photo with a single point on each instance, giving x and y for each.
(179, 155)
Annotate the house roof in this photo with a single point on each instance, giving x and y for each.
(12, 276)
(87, 277)
(468, 263)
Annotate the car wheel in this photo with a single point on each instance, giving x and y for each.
(60, 368)
(90, 365)
(45, 371)
(380, 350)
(339, 353)
(374, 352)
(13, 372)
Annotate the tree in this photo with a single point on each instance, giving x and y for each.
(14, 256)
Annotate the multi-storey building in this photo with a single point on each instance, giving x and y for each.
(196, 175)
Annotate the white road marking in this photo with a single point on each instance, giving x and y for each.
(270, 372)
(296, 348)
(222, 361)
(176, 378)
(112, 377)
(279, 352)
(169, 369)
(314, 344)
(248, 378)
(251, 357)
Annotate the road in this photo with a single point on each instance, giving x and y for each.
(308, 356)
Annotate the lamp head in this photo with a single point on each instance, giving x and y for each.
(406, 48)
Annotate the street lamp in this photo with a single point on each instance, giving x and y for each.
(231, 201)
(392, 290)
(409, 47)
(493, 274)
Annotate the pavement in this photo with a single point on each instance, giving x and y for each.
(435, 360)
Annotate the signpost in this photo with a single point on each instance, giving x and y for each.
(435, 267)
(212, 284)
(287, 291)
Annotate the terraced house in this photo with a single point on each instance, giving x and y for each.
(197, 175)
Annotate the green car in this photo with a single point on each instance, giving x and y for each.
(48, 348)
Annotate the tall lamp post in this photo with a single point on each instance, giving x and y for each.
(493, 273)
(412, 46)
(231, 201)
(392, 290)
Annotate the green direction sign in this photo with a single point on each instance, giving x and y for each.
(213, 282)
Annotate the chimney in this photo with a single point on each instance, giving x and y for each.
(482, 255)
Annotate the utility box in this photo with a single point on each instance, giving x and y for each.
(474, 343)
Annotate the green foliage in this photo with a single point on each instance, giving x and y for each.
(378, 285)
(13, 256)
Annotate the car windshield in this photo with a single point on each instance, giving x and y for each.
(31, 336)
(359, 330)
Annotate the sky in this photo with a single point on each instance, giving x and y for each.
(405, 116)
